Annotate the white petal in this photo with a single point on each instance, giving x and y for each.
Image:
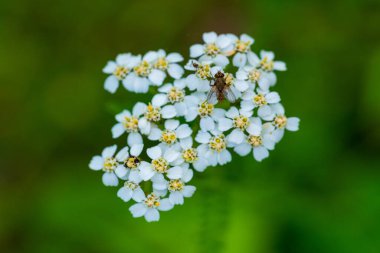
(232, 112)
(110, 179)
(207, 124)
(176, 198)
(117, 130)
(171, 155)
(244, 37)
(278, 109)
(200, 165)
(137, 149)
(264, 83)
(157, 76)
(139, 109)
(168, 112)
(224, 124)
(121, 171)
(187, 175)
(110, 67)
(241, 85)
(260, 153)
(218, 113)
(196, 50)
(150, 56)
(111, 84)
(165, 205)
(138, 210)
(192, 113)
(109, 151)
(186, 143)
(175, 172)
(124, 193)
(268, 54)
(265, 112)
(96, 163)
(279, 65)
(183, 131)
(293, 124)
(236, 136)
(203, 137)
(174, 57)
(223, 41)
(138, 195)
(243, 149)
(171, 124)
(155, 134)
(134, 138)
(188, 191)
(221, 60)
(278, 134)
(146, 172)
(134, 175)
(272, 97)
(154, 152)
(255, 127)
(209, 37)
(224, 157)
(152, 215)
(159, 100)
(122, 154)
(241, 75)
(239, 60)
(175, 71)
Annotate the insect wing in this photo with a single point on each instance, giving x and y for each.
(229, 94)
(212, 96)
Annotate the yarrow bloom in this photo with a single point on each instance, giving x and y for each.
(223, 104)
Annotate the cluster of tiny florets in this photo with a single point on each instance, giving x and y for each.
(188, 124)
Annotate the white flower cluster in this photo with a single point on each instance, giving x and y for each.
(187, 125)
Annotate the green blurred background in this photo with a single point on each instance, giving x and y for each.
(319, 191)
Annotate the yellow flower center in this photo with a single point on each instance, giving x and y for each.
(254, 75)
(266, 64)
(176, 185)
(217, 143)
(120, 72)
(109, 164)
(131, 124)
(169, 137)
(143, 69)
(211, 49)
(259, 100)
(152, 113)
(229, 79)
(190, 155)
(161, 63)
(241, 122)
(280, 121)
(160, 165)
(132, 162)
(205, 109)
(152, 201)
(204, 71)
(242, 46)
(176, 95)
(131, 185)
(255, 141)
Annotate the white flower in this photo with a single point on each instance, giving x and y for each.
(149, 207)
(263, 100)
(260, 140)
(118, 69)
(213, 148)
(242, 46)
(153, 114)
(128, 122)
(172, 133)
(130, 161)
(162, 160)
(281, 122)
(163, 62)
(131, 190)
(238, 121)
(248, 76)
(266, 61)
(197, 106)
(108, 163)
(190, 155)
(214, 49)
(173, 94)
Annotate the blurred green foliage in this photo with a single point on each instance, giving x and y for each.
(318, 192)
